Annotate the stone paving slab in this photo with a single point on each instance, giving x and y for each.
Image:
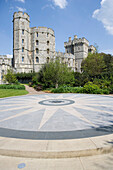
(100, 162)
(57, 148)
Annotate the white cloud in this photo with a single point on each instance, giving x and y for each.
(20, 1)
(105, 15)
(21, 9)
(9, 56)
(48, 6)
(61, 3)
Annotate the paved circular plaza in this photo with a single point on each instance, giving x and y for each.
(56, 116)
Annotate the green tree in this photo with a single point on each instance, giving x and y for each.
(55, 73)
(10, 77)
(93, 65)
(108, 59)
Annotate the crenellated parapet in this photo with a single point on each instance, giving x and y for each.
(76, 41)
(20, 14)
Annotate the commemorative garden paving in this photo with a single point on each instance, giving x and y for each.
(56, 116)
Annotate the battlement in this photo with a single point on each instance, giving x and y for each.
(43, 30)
(76, 41)
(20, 14)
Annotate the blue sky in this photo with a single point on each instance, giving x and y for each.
(92, 19)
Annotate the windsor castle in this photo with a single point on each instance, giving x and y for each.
(33, 47)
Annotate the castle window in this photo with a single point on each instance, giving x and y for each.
(37, 60)
(37, 51)
(22, 41)
(47, 59)
(22, 32)
(47, 42)
(47, 51)
(37, 42)
(22, 59)
(37, 34)
(78, 48)
(22, 49)
(47, 34)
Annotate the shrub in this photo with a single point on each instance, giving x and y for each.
(12, 86)
(10, 77)
(110, 89)
(25, 77)
(67, 89)
(90, 88)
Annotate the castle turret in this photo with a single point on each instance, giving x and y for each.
(21, 41)
(79, 47)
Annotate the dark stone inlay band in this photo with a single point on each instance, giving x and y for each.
(56, 102)
(105, 130)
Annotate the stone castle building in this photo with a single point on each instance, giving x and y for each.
(5, 64)
(33, 47)
(80, 49)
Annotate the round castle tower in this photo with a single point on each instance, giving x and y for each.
(21, 41)
(32, 47)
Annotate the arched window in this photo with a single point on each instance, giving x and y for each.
(47, 59)
(37, 42)
(37, 51)
(37, 34)
(22, 49)
(22, 41)
(47, 51)
(37, 60)
(47, 42)
(22, 32)
(22, 59)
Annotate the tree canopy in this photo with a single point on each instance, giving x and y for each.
(94, 64)
(56, 73)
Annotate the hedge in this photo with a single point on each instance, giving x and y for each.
(12, 86)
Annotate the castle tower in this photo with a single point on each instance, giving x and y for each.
(32, 47)
(80, 51)
(79, 48)
(42, 45)
(21, 42)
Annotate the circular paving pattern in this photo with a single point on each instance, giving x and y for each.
(56, 116)
(56, 102)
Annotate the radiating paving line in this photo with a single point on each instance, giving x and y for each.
(49, 112)
(107, 106)
(16, 108)
(74, 112)
(94, 104)
(12, 105)
(83, 98)
(21, 114)
(93, 109)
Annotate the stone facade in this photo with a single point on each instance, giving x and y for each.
(5, 64)
(32, 46)
(80, 48)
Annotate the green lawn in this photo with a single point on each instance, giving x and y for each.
(11, 92)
